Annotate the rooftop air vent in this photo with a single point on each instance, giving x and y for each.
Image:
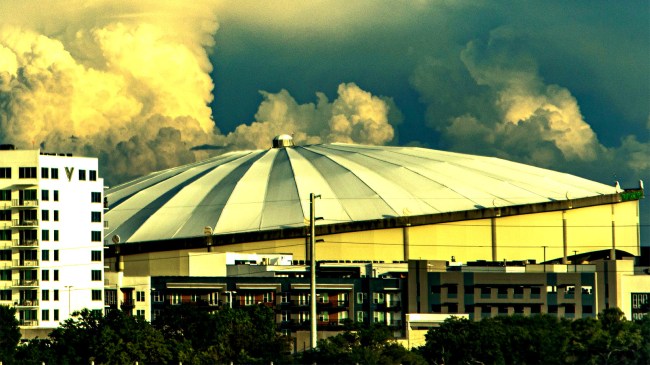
(283, 140)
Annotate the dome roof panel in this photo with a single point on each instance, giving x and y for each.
(269, 189)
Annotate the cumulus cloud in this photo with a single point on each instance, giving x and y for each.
(354, 116)
(501, 106)
(112, 81)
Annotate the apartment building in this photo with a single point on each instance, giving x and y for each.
(51, 236)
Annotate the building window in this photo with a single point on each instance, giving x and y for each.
(30, 194)
(5, 275)
(56, 294)
(45, 195)
(176, 299)
(267, 297)
(139, 296)
(82, 175)
(552, 308)
(323, 316)
(95, 217)
(343, 316)
(286, 316)
(92, 175)
(96, 236)
(303, 316)
(56, 314)
(95, 255)
(96, 275)
(551, 289)
(56, 216)
(303, 299)
(193, 298)
(45, 295)
(45, 235)
(56, 234)
(587, 309)
(158, 296)
(378, 298)
(5, 255)
(55, 172)
(27, 172)
(284, 297)
(379, 317)
(569, 308)
(452, 290)
(5, 215)
(323, 298)
(45, 173)
(361, 316)
(5, 172)
(361, 298)
(45, 314)
(435, 289)
(56, 275)
(5, 235)
(587, 290)
(56, 255)
(5, 195)
(95, 197)
(45, 215)
(5, 294)
(452, 308)
(55, 193)
(45, 255)
(249, 299)
(96, 294)
(140, 313)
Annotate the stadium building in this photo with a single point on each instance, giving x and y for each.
(376, 204)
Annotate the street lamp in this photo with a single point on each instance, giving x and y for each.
(69, 287)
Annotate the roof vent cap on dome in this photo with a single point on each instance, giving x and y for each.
(283, 140)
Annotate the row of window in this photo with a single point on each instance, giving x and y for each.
(30, 194)
(452, 289)
(45, 215)
(46, 173)
(5, 295)
(95, 255)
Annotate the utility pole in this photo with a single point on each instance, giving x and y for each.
(312, 263)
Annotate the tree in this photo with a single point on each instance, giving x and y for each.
(9, 333)
(114, 339)
(366, 345)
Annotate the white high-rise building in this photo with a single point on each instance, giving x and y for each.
(51, 236)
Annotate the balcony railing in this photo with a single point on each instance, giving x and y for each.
(127, 303)
(25, 222)
(17, 203)
(28, 322)
(25, 263)
(28, 303)
(25, 282)
(25, 243)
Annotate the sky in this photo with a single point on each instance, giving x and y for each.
(149, 85)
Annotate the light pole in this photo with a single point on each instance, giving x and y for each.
(69, 287)
(312, 264)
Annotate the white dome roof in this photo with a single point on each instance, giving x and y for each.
(269, 189)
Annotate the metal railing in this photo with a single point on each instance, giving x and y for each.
(25, 243)
(25, 282)
(28, 322)
(25, 222)
(28, 303)
(25, 263)
(24, 203)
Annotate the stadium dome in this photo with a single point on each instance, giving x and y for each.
(263, 190)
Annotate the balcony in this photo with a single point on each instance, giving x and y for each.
(18, 203)
(28, 322)
(25, 223)
(27, 303)
(106, 226)
(24, 243)
(5, 244)
(25, 263)
(127, 304)
(25, 282)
